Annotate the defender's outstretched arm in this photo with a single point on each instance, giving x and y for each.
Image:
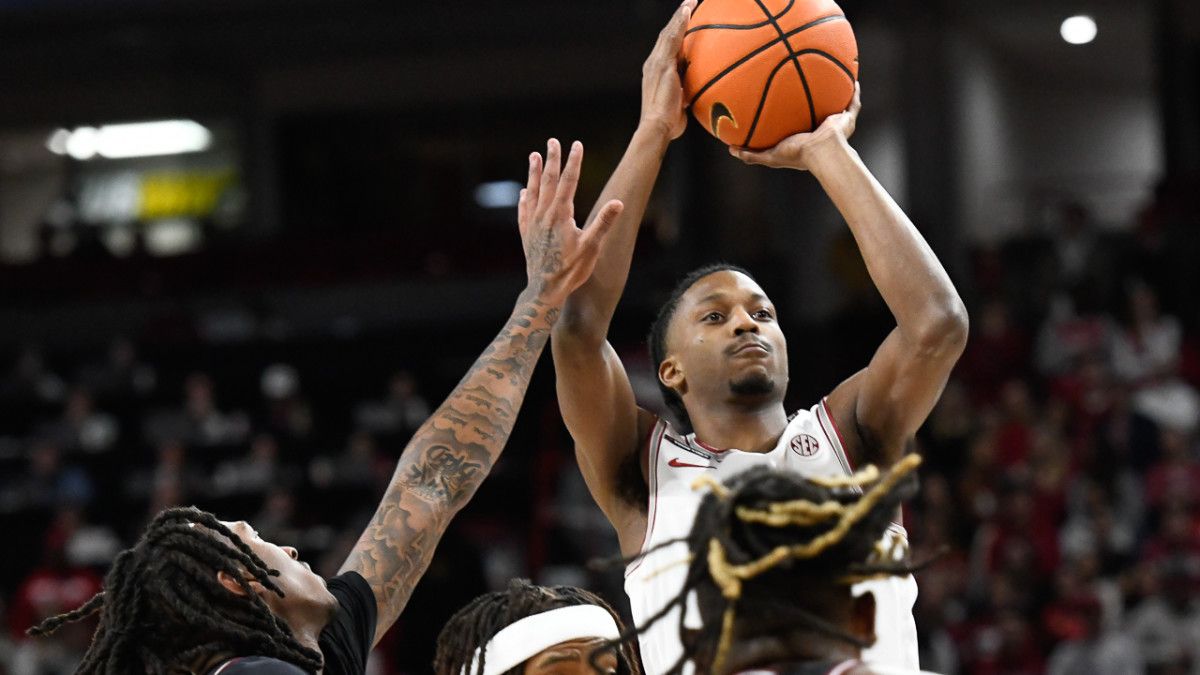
(880, 408)
(453, 451)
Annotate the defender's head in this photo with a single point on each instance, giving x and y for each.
(304, 597)
(193, 588)
(715, 339)
(535, 630)
(773, 557)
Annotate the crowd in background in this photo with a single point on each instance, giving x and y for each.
(1058, 511)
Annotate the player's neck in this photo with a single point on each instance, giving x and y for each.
(728, 427)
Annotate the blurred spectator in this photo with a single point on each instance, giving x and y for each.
(121, 376)
(1086, 649)
(360, 467)
(255, 472)
(1166, 624)
(199, 422)
(275, 522)
(53, 587)
(401, 412)
(1145, 354)
(997, 352)
(1174, 478)
(47, 483)
(171, 473)
(81, 427)
(1068, 334)
(30, 379)
(288, 414)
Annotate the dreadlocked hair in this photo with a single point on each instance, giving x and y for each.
(769, 541)
(162, 606)
(657, 339)
(478, 622)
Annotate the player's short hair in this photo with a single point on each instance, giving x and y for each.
(770, 549)
(162, 606)
(474, 625)
(657, 338)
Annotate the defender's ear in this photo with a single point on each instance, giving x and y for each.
(230, 583)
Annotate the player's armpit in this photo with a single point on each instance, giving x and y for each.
(879, 409)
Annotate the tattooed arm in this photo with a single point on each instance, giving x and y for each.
(452, 452)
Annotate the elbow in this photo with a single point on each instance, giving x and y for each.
(943, 331)
(578, 325)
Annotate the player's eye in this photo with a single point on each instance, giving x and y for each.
(712, 317)
(763, 314)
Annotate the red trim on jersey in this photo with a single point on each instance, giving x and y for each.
(838, 432)
(708, 447)
(652, 487)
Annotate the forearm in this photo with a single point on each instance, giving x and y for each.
(447, 459)
(909, 276)
(590, 308)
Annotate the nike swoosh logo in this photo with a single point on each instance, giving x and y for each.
(679, 465)
(719, 110)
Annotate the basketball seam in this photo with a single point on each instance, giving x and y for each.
(803, 52)
(812, 112)
(716, 78)
(762, 101)
(736, 26)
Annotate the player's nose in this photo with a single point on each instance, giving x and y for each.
(291, 551)
(742, 322)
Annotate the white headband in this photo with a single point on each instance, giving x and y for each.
(517, 642)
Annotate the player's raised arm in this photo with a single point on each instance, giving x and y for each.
(880, 408)
(453, 451)
(593, 390)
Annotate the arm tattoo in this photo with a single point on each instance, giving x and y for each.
(446, 460)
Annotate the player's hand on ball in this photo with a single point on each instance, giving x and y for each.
(662, 91)
(796, 152)
(559, 256)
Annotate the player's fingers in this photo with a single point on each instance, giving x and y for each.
(534, 182)
(599, 228)
(523, 211)
(749, 156)
(670, 37)
(565, 197)
(677, 29)
(856, 102)
(550, 172)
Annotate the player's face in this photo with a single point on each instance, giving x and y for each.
(724, 343)
(305, 593)
(572, 658)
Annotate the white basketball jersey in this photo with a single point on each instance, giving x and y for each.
(810, 446)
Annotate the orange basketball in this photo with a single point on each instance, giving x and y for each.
(759, 71)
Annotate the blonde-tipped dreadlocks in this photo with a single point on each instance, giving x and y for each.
(768, 534)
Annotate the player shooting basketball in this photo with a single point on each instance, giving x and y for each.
(723, 369)
(197, 595)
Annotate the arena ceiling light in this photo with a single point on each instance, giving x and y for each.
(124, 141)
(1078, 30)
(500, 194)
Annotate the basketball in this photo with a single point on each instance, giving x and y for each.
(759, 71)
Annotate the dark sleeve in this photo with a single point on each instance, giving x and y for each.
(347, 639)
(257, 665)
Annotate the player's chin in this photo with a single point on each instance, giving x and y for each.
(753, 382)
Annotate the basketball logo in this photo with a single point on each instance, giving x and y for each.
(804, 445)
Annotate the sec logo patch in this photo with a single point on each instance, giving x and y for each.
(804, 445)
